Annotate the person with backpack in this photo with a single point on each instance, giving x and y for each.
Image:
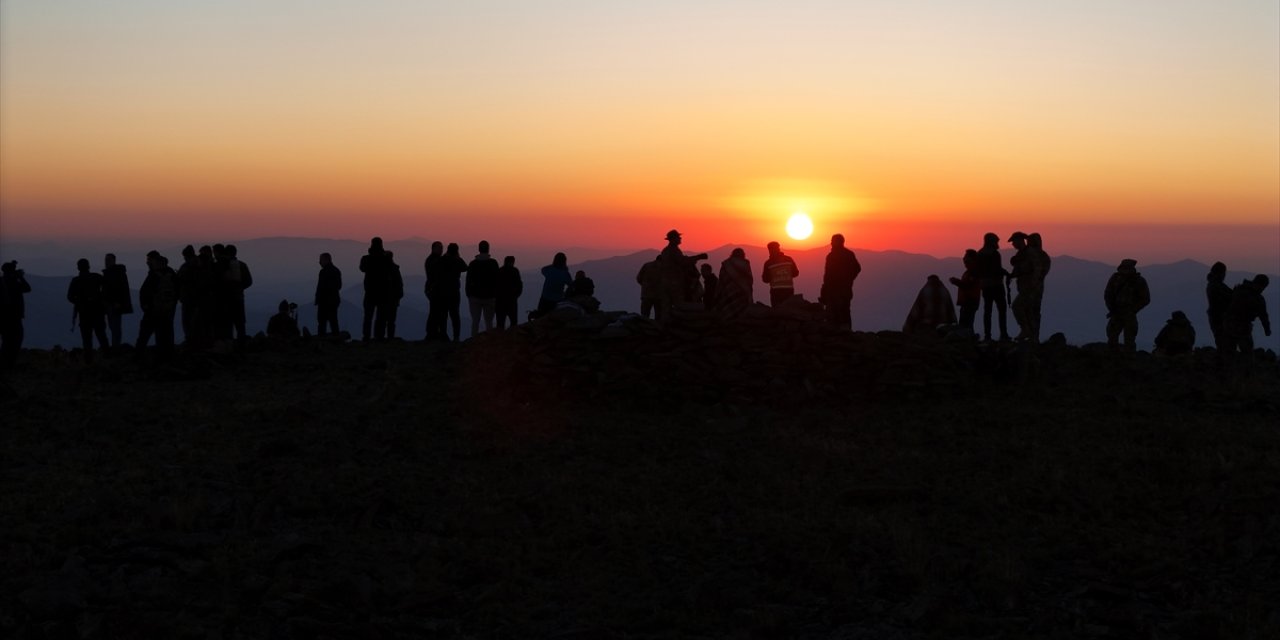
(1247, 305)
(237, 278)
(1126, 294)
(158, 298)
(89, 307)
(115, 295)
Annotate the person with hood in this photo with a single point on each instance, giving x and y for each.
(1126, 294)
(328, 296)
(482, 288)
(116, 296)
(1247, 305)
(1177, 337)
(158, 298)
(734, 292)
(89, 307)
(841, 270)
(991, 275)
(507, 294)
(555, 279)
(1218, 292)
(12, 311)
(650, 280)
(779, 273)
(932, 308)
(968, 290)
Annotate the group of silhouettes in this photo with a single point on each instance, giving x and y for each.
(208, 289)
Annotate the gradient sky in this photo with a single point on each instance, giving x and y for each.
(606, 123)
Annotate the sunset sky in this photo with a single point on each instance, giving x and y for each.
(903, 124)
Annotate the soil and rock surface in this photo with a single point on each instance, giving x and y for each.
(604, 477)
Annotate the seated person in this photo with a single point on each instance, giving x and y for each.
(1177, 337)
(285, 323)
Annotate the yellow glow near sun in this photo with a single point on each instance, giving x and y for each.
(799, 226)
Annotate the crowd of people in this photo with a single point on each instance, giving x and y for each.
(208, 291)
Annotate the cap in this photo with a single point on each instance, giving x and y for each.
(1016, 235)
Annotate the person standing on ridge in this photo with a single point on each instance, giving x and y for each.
(991, 275)
(734, 291)
(85, 296)
(968, 290)
(389, 306)
(1218, 293)
(650, 280)
(1040, 265)
(841, 270)
(482, 288)
(374, 265)
(779, 273)
(710, 287)
(158, 298)
(679, 274)
(507, 295)
(1126, 294)
(116, 295)
(1021, 267)
(436, 314)
(449, 273)
(1247, 304)
(328, 296)
(12, 312)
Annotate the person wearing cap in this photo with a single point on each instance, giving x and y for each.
(1218, 293)
(1247, 304)
(1177, 337)
(679, 275)
(1023, 267)
(779, 273)
(1126, 294)
(991, 275)
(842, 268)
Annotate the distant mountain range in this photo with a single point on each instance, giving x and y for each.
(285, 268)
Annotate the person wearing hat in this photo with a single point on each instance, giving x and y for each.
(1126, 294)
(1177, 337)
(1021, 268)
(679, 275)
(1247, 304)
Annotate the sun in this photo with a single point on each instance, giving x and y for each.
(799, 226)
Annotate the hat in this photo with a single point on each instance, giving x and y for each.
(1016, 235)
(1128, 263)
(673, 235)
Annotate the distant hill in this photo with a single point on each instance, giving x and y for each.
(285, 268)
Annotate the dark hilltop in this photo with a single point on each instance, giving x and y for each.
(604, 476)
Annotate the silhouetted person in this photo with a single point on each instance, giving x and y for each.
(284, 325)
(389, 306)
(328, 296)
(841, 270)
(482, 288)
(1218, 293)
(779, 273)
(1021, 266)
(158, 298)
(89, 306)
(1040, 265)
(1126, 294)
(116, 295)
(991, 275)
(507, 294)
(932, 309)
(190, 295)
(679, 274)
(13, 310)
(968, 290)
(650, 280)
(377, 284)
(555, 279)
(1177, 337)
(1247, 305)
(204, 295)
(452, 266)
(236, 278)
(736, 284)
(710, 287)
(436, 314)
(581, 286)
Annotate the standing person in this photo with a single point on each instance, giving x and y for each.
(374, 265)
(237, 278)
(1040, 265)
(328, 296)
(779, 273)
(435, 307)
(991, 275)
(650, 280)
(12, 312)
(89, 306)
(389, 306)
(1247, 304)
(1126, 294)
(452, 266)
(679, 272)
(116, 295)
(841, 270)
(968, 290)
(931, 309)
(734, 290)
(1021, 266)
(710, 287)
(158, 298)
(555, 279)
(482, 288)
(189, 294)
(507, 294)
(1218, 293)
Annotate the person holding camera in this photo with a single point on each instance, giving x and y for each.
(12, 311)
(284, 324)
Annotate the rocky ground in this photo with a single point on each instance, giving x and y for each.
(602, 477)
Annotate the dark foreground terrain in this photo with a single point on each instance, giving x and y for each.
(571, 480)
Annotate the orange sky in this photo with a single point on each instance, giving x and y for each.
(606, 123)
